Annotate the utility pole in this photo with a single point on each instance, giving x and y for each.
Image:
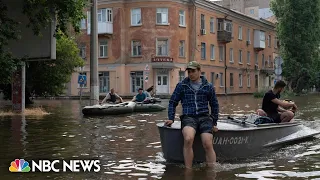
(94, 87)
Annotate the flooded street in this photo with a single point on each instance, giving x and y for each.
(129, 145)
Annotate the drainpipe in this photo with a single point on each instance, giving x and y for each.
(193, 54)
(225, 68)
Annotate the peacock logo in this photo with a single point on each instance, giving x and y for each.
(19, 165)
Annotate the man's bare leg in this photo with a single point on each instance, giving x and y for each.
(188, 135)
(207, 143)
(286, 116)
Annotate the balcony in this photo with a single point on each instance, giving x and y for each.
(224, 30)
(224, 36)
(103, 28)
(259, 40)
(105, 21)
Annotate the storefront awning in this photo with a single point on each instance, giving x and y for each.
(164, 66)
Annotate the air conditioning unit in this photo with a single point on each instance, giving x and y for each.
(203, 32)
(248, 43)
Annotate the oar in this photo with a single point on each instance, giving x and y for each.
(240, 121)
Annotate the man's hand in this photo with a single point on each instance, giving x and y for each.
(215, 129)
(168, 122)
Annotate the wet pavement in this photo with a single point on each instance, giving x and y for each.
(129, 145)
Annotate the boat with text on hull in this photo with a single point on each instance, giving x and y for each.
(236, 139)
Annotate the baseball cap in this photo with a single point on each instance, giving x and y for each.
(193, 65)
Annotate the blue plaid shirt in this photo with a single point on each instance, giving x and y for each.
(194, 102)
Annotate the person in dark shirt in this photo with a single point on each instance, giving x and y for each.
(271, 102)
(111, 97)
(195, 94)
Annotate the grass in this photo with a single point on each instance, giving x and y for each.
(38, 111)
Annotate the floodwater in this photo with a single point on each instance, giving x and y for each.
(129, 147)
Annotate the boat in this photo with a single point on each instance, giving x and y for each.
(109, 109)
(150, 107)
(121, 108)
(236, 139)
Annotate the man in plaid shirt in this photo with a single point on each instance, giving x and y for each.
(195, 92)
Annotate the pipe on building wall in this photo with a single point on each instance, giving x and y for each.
(225, 69)
(193, 55)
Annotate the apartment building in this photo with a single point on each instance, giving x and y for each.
(254, 8)
(144, 43)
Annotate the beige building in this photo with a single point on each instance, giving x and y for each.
(253, 8)
(144, 43)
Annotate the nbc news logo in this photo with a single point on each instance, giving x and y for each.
(20, 165)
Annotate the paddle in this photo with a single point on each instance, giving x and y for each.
(240, 121)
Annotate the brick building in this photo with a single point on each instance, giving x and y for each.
(144, 43)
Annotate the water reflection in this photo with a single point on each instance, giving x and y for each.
(129, 145)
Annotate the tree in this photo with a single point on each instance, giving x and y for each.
(39, 12)
(49, 77)
(298, 30)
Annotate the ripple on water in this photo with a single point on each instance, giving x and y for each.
(278, 174)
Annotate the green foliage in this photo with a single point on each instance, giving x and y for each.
(40, 14)
(8, 31)
(49, 77)
(258, 94)
(298, 30)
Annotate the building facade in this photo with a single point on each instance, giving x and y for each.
(144, 43)
(254, 8)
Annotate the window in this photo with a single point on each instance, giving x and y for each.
(248, 35)
(182, 49)
(104, 82)
(231, 79)
(136, 48)
(221, 53)
(162, 47)
(248, 80)
(182, 18)
(269, 61)
(135, 16)
(103, 50)
(203, 21)
(212, 25)
(240, 56)
(224, 25)
(109, 15)
(240, 80)
(248, 57)
(263, 64)
(240, 33)
(212, 54)
(269, 41)
(212, 78)
(162, 15)
(275, 42)
(136, 80)
(203, 74)
(256, 58)
(231, 55)
(221, 79)
(82, 51)
(256, 81)
(228, 26)
(262, 36)
(203, 50)
(181, 75)
(251, 11)
(104, 15)
(83, 24)
(85, 84)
